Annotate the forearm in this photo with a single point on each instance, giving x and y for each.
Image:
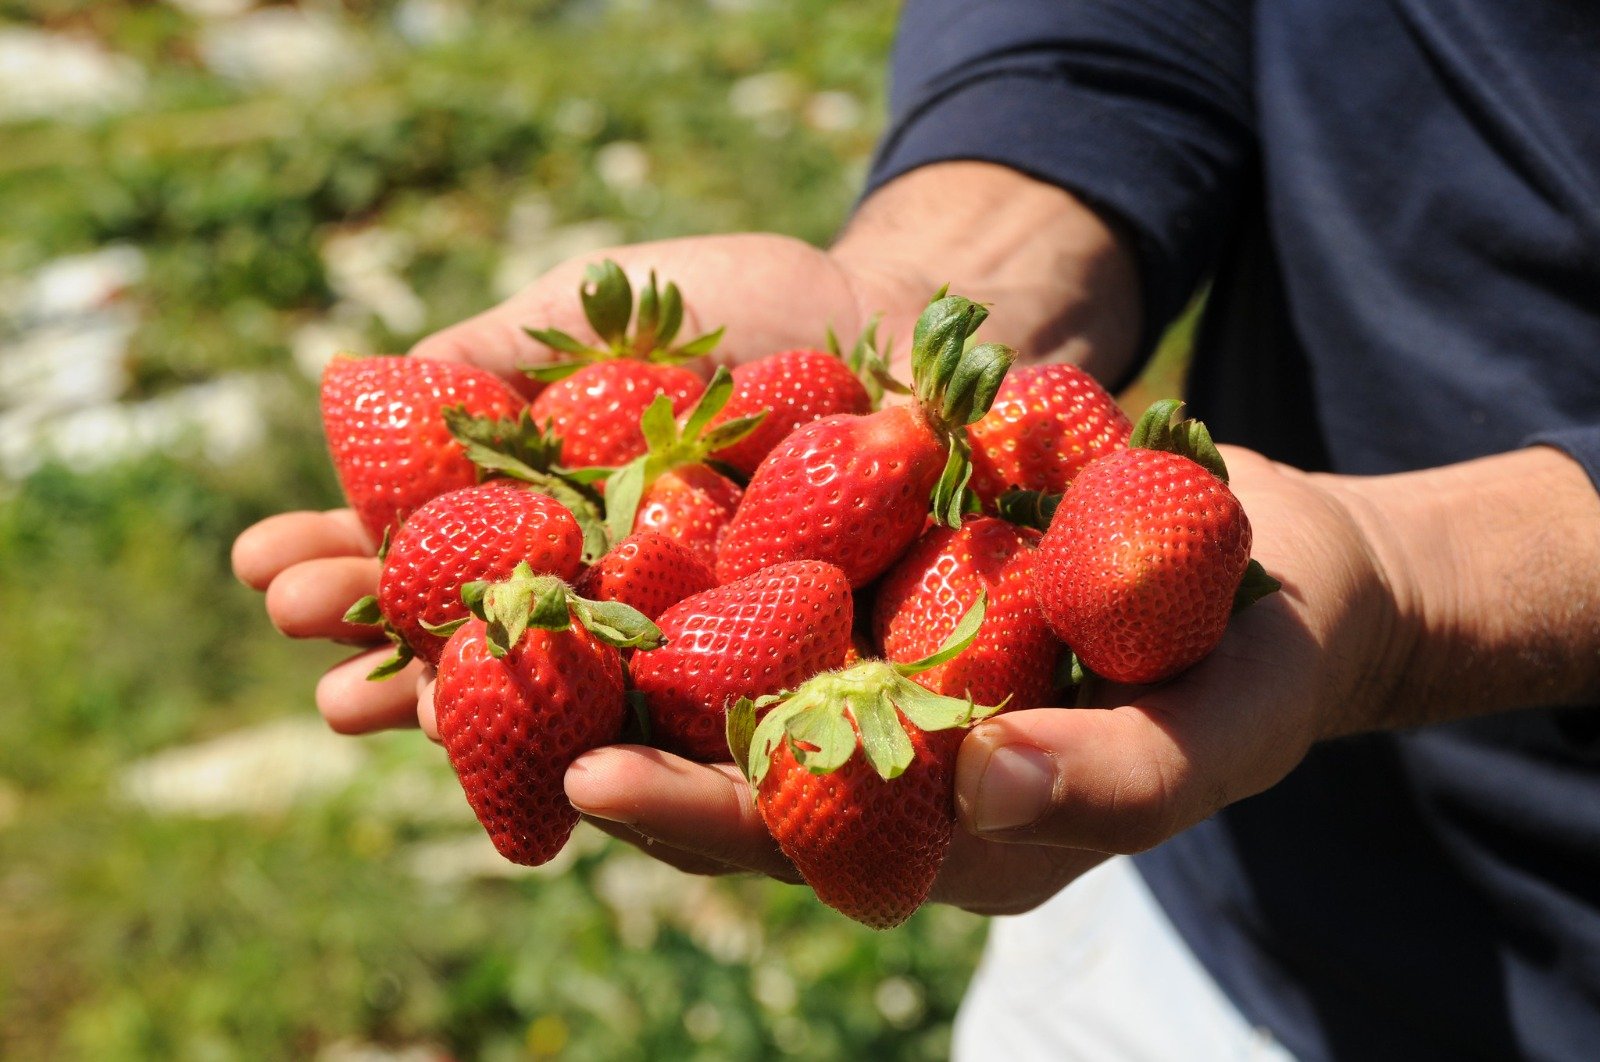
(1495, 567)
(1062, 282)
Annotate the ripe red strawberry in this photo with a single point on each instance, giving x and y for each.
(853, 775)
(598, 392)
(691, 505)
(855, 491)
(795, 387)
(1147, 555)
(1013, 659)
(383, 418)
(595, 412)
(869, 847)
(530, 684)
(475, 533)
(767, 632)
(648, 571)
(668, 488)
(1047, 421)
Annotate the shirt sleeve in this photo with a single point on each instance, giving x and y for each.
(1582, 444)
(1141, 108)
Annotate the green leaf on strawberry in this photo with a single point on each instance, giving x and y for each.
(1155, 430)
(608, 304)
(830, 716)
(517, 448)
(673, 447)
(510, 607)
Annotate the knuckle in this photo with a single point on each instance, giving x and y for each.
(1146, 806)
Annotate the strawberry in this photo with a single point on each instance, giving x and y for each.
(608, 305)
(767, 632)
(854, 777)
(855, 491)
(647, 571)
(1148, 554)
(1047, 421)
(474, 533)
(527, 685)
(1013, 659)
(598, 392)
(668, 488)
(691, 505)
(596, 410)
(795, 387)
(384, 421)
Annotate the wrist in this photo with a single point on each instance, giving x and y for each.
(1489, 565)
(1061, 280)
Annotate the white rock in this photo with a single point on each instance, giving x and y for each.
(49, 75)
(364, 266)
(316, 341)
(623, 165)
(833, 112)
(282, 47)
(262, 770)
(222, 420)
(525, 262)
(761, 95)
(212, 8)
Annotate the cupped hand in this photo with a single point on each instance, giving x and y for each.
(769, 292)
(1044, 795)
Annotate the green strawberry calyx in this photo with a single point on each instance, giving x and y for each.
(1028, 508)
(830, 716)
(366, 613)
(1156, 430)
(517, 448)
(528, 599)
(671, 445)
(608, 304)
(955, 382)
(869, 362)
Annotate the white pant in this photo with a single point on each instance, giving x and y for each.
(1099, 974)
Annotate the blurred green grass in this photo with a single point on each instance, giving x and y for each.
(325, 925)
(470, 140)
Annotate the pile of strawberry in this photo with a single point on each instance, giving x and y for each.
(770, 570)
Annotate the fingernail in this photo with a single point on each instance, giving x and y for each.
(1015, 788)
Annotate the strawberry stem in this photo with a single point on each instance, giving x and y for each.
(1155, 430)
(508, 608)
(608, 302)
(831, 715)
(672, 447)
(955, 385)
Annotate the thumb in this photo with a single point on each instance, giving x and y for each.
(497, 338)
(1120, 780)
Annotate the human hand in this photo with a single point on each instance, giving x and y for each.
(1044, 795)
(981, 228)
(770, 293)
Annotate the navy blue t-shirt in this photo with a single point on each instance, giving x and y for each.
(1399, 203)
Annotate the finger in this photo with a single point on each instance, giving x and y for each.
(676, 858)
(990, 878)
(1125, 779)
(310, 599)
(704, 810)
(264, 550)
(1108, 781)
(427, 719)
(353, 704)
